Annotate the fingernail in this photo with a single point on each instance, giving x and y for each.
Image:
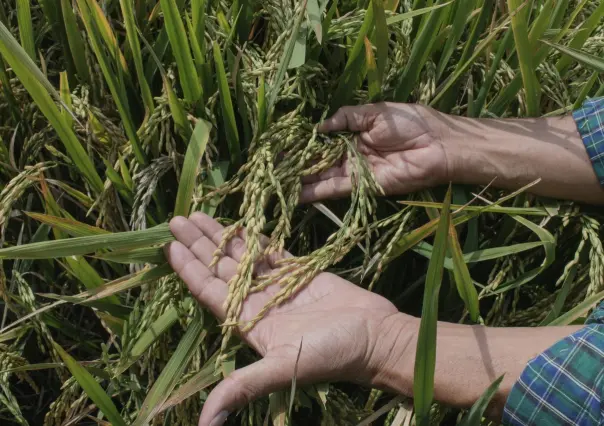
(220, 419)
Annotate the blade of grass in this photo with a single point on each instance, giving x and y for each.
(30, 76)
(206, 377)
(26, 32)
(75, 41)
(284, 64)
(463, 280)
(464, 9)
(561, 297)
(190, 169)
(382, 38)
(172, 372)
(132, 35)
(94, 391)
(476, 413)
(590, 61)
(354, 71)
(578, 311)
(425, 358)
(373, 78)
(422, 47)
(228, 113)
(549, 245)
(84, 245)
(532, 89)
(70, 226)
(189, 79)
(587, 28)
(116, 87)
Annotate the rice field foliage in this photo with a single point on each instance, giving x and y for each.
(116, 115)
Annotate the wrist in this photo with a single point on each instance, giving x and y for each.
(397, 342)
(516, 152)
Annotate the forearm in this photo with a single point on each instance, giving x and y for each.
(468, 359)
(519, 151)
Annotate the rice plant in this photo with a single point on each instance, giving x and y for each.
(116, 116)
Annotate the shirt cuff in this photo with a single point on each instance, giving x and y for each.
(589, 119)
(565, 384)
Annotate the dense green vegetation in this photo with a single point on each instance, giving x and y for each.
(116, 115)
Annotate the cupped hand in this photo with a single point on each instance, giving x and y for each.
(402, 143)
(342, 327)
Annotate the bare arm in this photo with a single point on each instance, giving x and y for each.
(411, 147)
(468, 359)
(519, 151)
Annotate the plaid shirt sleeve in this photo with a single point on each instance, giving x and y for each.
(590, 123)
(565, 384)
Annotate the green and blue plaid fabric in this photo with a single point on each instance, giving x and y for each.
(565, 384)
(590, 123)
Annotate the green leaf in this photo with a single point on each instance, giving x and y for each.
(381, 38)
(578, 311)
(463, 12)
(587, 28)
(422, 46)
(26, 32)
(463, 280)
(476, 413)
(284, 64)
(94, 391)
(425, 358)
(395, 19)
(228, 114)
(83, 245)
(206, 377)
(549, 246)
(593, 62)
(354, 71)
(69, 226)
(75, 41)
(152, 255)
(96, 27)
(172, 372)
(132, 35)
(373, 78)
(561, 297)
(532, 88)
(41, 90)
(190, 169)
(314, 13)
(182, 52)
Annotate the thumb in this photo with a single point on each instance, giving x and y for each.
(245, 385)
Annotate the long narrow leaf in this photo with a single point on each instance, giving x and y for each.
(91, 387)
(84, 245)
(425, 358)
(190, 169)
(182, 51)
(172, 372)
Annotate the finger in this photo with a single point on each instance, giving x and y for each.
(235, 248)
(202, 247)
(243, 386)
(209, 290)
(337, 187)
(352, 118)
(333, 172)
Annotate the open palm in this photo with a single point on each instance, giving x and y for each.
(402, 144)
(341, 326)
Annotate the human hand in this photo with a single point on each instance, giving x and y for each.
(402, 143)
(348, 333)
